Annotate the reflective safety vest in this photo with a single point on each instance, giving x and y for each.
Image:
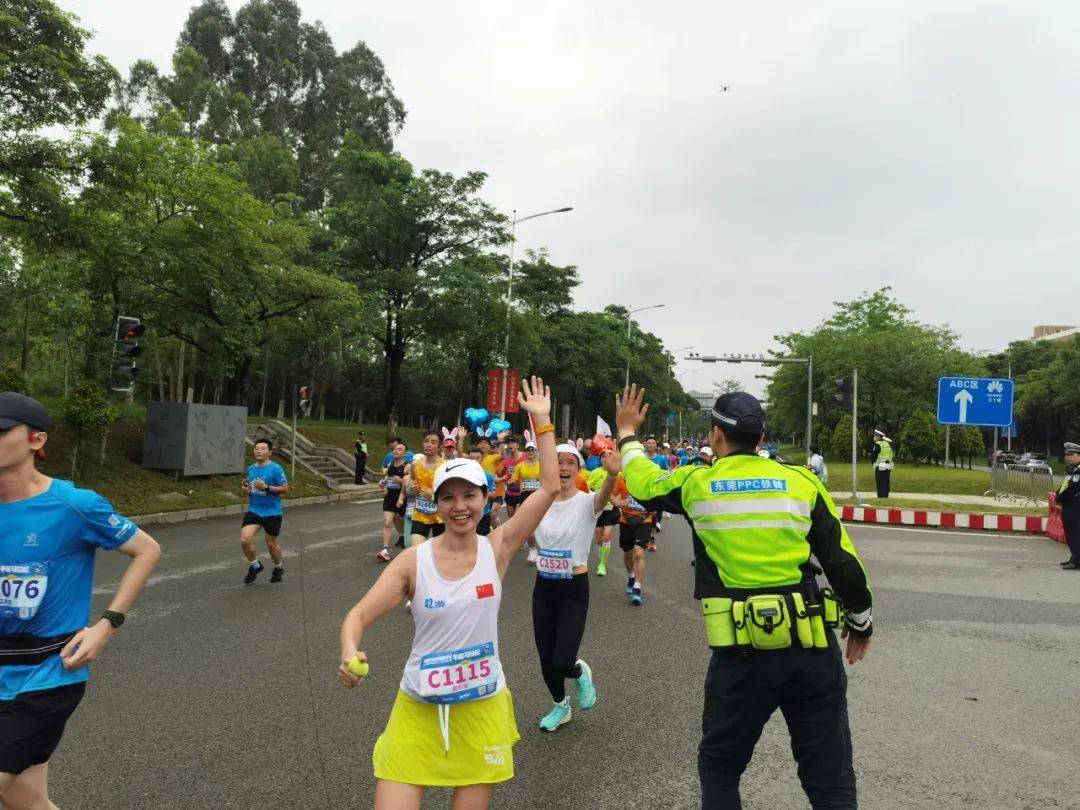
(756, 521)
(886, 454)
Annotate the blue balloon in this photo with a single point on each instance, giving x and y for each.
(474, 417)
(498, 426)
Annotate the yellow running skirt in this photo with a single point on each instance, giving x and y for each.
(483, 734)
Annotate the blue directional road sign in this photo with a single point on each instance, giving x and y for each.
(975, 401)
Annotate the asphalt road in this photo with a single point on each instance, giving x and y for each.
(216, 695)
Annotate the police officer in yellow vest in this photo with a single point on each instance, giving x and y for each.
(882, 459)
(1068, 498)
(756, 523)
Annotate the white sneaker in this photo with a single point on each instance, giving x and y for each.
(532, 556)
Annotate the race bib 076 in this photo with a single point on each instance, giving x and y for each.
(458, 676)
(555, 564)
(22, 588)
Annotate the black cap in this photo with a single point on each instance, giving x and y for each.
(19, 409)
(740, 412)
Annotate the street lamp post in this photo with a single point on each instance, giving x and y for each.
(514, 220)
(630, 312)
(757, 358)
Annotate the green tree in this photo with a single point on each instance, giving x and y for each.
(87, 413)
(899, 361)
(401, 235)
(265, 75)
(922, 438)
(12, 379)
(46, 80)
(839, 446)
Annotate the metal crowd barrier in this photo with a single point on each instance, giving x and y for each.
(1027, 484)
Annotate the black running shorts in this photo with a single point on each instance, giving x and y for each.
(271, 524)
(428, 530)
(635, 533)
(609, 517)
(389, 502)
(32, 724)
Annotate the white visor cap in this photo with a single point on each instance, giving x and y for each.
(569, 448)
(464, 468)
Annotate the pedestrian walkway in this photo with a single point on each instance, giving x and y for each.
(977, 500)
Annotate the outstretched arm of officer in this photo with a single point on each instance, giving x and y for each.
(654, 488)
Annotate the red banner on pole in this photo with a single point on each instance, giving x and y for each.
(494, 399)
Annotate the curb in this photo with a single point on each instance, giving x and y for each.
(184, 515)
(1028, 524)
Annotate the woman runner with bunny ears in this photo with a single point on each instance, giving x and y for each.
(452, 724)
(561, 595)
(526, 480)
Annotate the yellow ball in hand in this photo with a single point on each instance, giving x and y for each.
(358, 668)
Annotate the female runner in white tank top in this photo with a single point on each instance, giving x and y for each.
(560, 602)
(452, 724)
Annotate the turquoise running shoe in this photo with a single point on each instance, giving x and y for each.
(559, 715)
(635, 597)
(586, 690)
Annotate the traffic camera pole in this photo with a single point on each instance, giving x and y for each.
(854, 436)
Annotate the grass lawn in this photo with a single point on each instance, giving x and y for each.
(135, 491)
(905, 477)
(942, 506)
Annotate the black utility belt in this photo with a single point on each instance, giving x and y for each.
(771, 618)
(25, 650)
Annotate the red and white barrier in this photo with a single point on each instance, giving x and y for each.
(948, 520)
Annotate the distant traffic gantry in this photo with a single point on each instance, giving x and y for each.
(730, 357)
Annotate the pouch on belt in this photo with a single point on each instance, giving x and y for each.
(802, 622)
(719, 622)
(767, 622)
(738, 615)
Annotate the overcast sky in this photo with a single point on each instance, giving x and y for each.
(931, 146)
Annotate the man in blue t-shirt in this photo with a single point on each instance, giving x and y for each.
(264, 486)
(49, 534)
(389, 457)
(653, 453)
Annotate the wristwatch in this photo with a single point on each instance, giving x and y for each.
(113, 618)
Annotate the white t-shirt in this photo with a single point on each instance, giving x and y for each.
(565, 535)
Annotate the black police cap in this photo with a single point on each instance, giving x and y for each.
(740, 412)
(19, 409)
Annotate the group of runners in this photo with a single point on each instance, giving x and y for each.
(452, 723)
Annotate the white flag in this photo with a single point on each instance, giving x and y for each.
(602, 427)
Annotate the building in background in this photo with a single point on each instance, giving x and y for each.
(1055, 333)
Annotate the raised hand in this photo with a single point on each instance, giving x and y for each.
(630, 411)
(612, 461)
(535, 397)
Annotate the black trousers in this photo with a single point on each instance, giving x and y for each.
(361, 463)
(881, 478)
(1070, 519)
(560, 607)
(742, 690)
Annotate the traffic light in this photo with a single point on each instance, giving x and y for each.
(843, 395)
(128, 332)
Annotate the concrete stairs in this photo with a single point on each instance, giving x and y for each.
(331, 463)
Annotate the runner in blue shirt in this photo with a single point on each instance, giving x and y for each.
(389, 457)
(264, 486)
(49, 533)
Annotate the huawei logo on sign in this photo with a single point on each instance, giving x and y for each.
(995, 387)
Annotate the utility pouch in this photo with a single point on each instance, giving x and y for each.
(738, 615)
(817, 626)
(719, 622)
(830, 604)
(802, 622)
(767, 622)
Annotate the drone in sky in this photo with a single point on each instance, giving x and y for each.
(724, 88)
